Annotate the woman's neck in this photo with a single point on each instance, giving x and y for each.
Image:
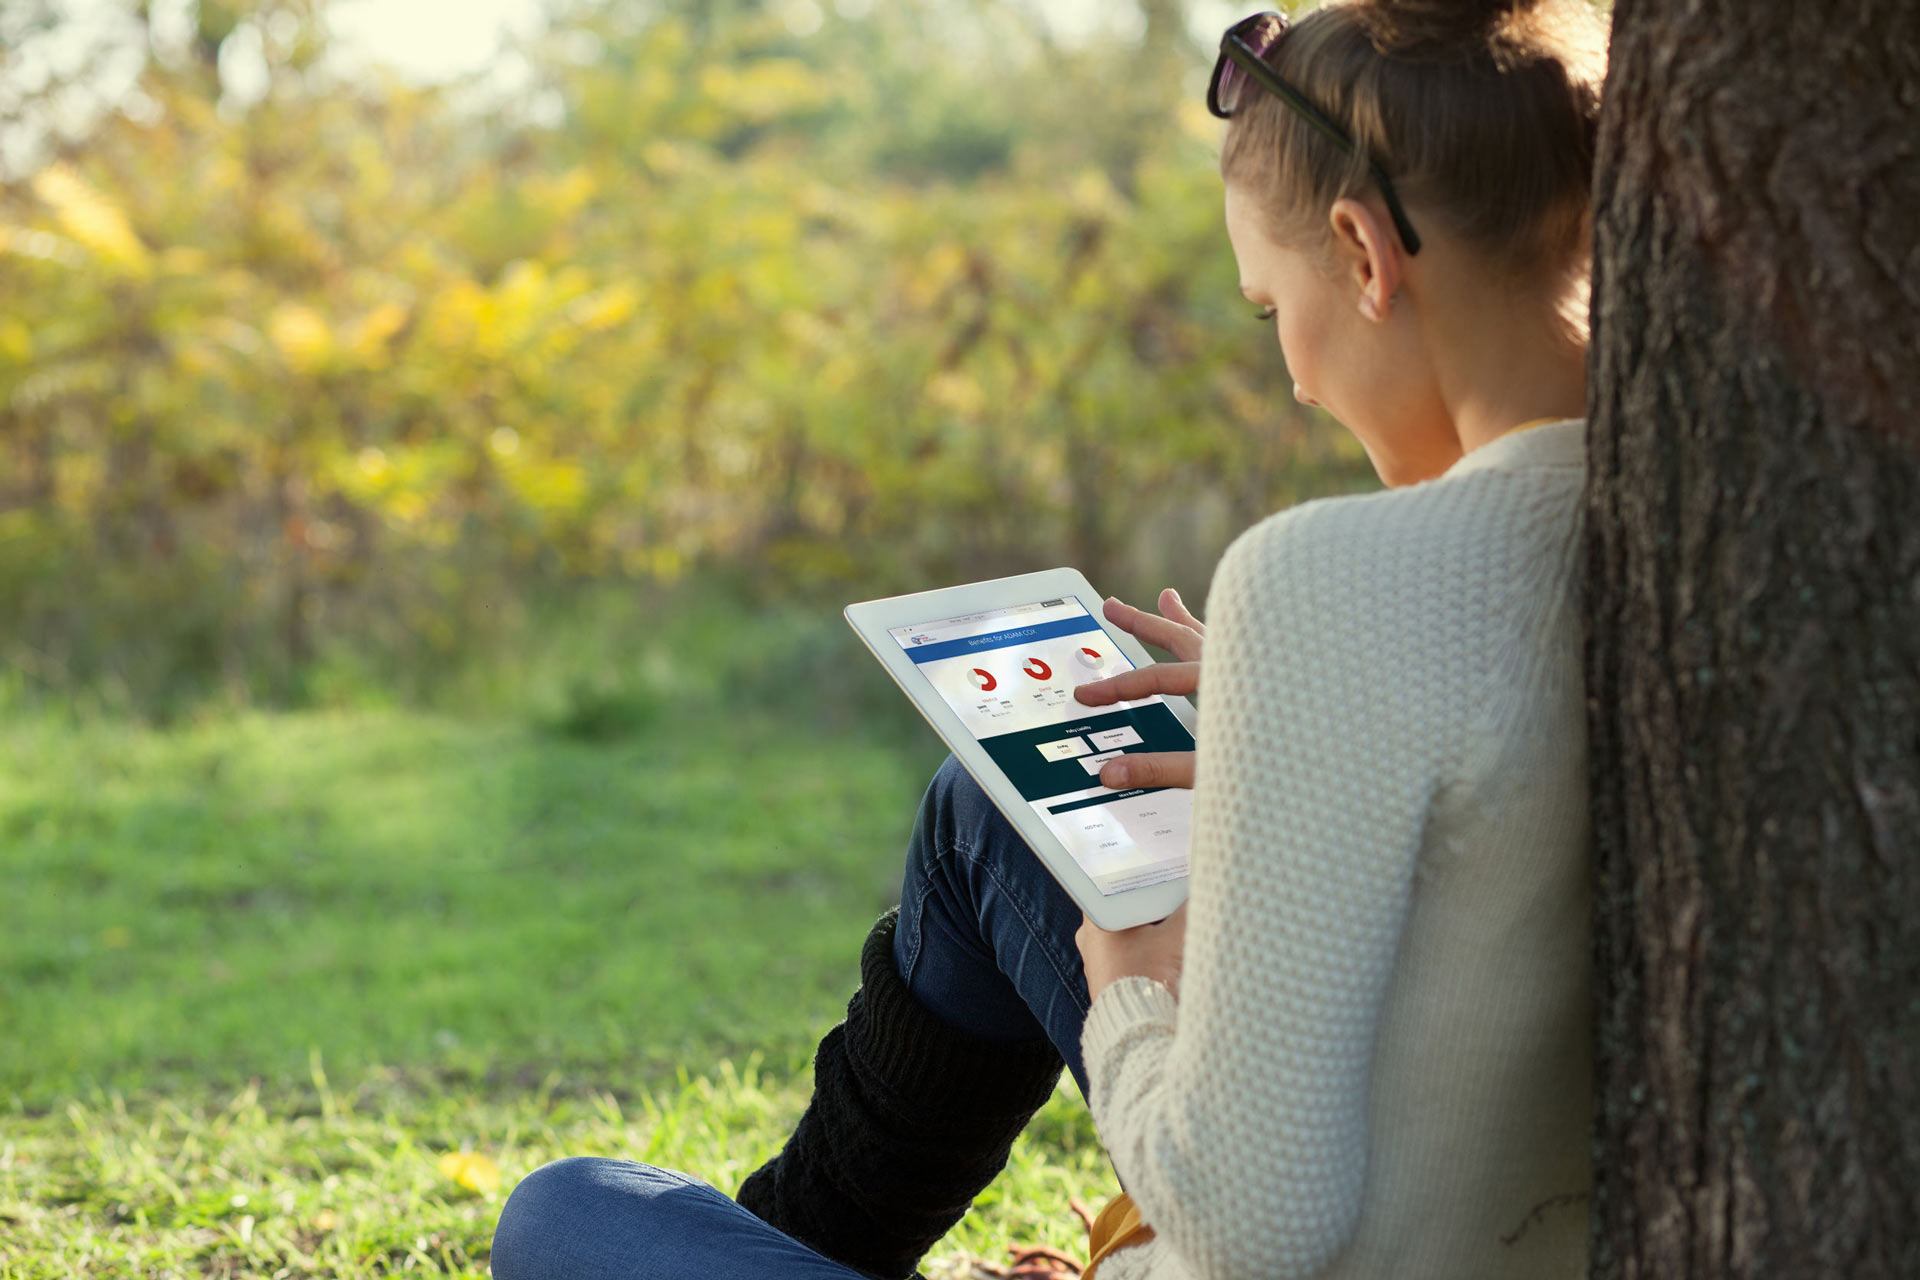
(1505, 362)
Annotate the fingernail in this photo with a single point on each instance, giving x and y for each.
(1114, 774)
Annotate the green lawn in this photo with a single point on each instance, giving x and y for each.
(304, 994)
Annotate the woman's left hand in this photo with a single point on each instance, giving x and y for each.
(1176, 630)
(1146, 951)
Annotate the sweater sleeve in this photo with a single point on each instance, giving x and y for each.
(1237, 1117)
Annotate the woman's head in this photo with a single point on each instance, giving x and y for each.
(1481, 113)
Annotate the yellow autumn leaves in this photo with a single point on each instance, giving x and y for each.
(92, 221)
(831, 312)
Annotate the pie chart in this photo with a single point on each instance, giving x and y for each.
(1038, 669)
(982, 680)
(1091, 658)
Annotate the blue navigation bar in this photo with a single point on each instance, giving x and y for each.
(1002, 639)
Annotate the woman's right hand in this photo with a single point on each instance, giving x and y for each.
(1178, 632)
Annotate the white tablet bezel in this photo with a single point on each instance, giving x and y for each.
(871, 620)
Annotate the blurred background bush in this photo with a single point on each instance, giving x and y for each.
(320, 387)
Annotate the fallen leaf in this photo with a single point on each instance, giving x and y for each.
(471, 1170)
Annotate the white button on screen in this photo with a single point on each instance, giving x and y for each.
(1065, 749)
(1092, 763)
(1124, 736)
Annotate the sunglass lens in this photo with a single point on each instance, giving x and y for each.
(1259, 34)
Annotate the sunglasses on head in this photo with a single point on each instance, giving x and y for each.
(1243, 59)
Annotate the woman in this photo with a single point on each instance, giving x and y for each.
(1362, 1050)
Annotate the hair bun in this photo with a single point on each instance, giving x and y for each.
(1441, 28)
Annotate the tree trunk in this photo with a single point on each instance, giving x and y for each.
(1754, 645)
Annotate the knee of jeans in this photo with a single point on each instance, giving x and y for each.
(541, 1216)
(946, 813)
(950, 775)
(959, 802)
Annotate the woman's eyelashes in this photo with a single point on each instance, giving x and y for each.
(1265, 314)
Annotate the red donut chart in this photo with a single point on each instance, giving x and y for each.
(1038, 669)
(983, 680)
(1091, 658)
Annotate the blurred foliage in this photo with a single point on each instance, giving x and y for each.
(355, 375)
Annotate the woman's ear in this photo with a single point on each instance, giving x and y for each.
(1367, 250)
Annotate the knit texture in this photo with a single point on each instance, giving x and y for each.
(910, 1118)
(1378, 1065)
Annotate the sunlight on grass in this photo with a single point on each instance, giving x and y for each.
(318, 1183)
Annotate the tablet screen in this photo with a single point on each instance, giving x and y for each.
(1009, 674)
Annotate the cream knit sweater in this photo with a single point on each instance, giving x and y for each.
(1378, 1064)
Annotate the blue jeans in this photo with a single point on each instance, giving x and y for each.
(985, 942)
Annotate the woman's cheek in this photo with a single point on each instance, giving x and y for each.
(1297, 349)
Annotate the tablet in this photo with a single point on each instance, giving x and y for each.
(992, 666)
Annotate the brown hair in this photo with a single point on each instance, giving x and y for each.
(1481, 112)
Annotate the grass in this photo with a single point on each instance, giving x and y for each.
(304, 994)
(394, 1177)
(463, 899)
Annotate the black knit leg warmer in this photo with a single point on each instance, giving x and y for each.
(910, 1119)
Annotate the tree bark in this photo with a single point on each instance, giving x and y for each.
(1754, 641)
